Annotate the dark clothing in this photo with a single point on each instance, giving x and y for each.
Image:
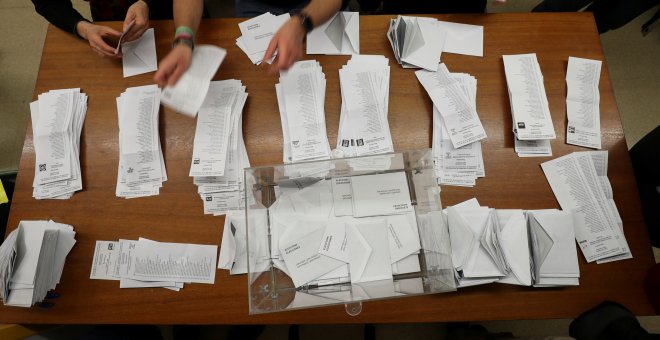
(253, 8)
(423, 6)
(62, 15)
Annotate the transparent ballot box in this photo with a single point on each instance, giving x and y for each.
(344, 231)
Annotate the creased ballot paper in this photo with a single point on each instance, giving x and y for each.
(188, 94)
(381, 194)
(583, 102)
(139, 56)
(339, 35)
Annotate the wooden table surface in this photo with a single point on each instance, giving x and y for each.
(176, 215)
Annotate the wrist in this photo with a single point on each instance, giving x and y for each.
(305, 22)
(82, 27)
(181, 41)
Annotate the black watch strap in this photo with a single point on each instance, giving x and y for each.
(306, 22)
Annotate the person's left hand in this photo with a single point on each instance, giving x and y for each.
(288, 42)
(138, 12)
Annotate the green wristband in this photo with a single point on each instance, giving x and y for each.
(184, 30)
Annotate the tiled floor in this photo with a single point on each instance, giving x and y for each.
(631, 59)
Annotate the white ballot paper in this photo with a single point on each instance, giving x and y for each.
(57, 120)
(301, 99)
(578, 188)
(529, 103)
(339, 35)
(363, 125)
(303, 260)
(180, 262)
(257, 34)
(458, 113)
(105, 260)
(583, 102)
(381, 194)
(139, 56)
(463, 38)
(188, 94)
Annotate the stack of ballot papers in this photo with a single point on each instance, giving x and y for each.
(457, 129)
(339, 35)
(57, 120)
(359, 229)
(188, 94)
(418, 42)
(256, 34)
(532, 123)
(579, 182)
(150, 264)
(219, 154)
(141, 169)
(534, 247)
(301, 100)
(139, 56)
(32, 260)
(583, 102)
(363, 125)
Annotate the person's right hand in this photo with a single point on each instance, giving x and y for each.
(173, 65)
(96, 36)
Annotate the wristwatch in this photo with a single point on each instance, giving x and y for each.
(306, 22)
(184, 41)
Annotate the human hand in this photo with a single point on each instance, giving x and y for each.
(96, 35)
(173, 65)
(288, 42)
(138, 12)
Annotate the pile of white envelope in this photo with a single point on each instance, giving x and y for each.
(363, 125)
(339, 35)
(219, 154)
(256, 34)
(532, 123)
(141, 169)
(301, 100)
(146, 263)
(57, 120)
(534, 247)
(32, 260)
(457, 129)
(418, 42)
(579, 182)
(361, 229)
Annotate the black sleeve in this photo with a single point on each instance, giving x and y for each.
(59, 13)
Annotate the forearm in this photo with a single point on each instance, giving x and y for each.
(188, 13)
(60, 13)
(320, 11)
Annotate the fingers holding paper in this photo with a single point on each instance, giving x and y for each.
(137, 21)
(288, 42)
(97, 35)
(173, 65)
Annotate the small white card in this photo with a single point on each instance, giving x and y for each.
(105, 259)
(382, 194)
(342, 196)
(335, 241)
(303, 260)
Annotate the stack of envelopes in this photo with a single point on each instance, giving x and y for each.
(532, 123)
(141, 171)
(57, 120)
(339, 35)
(150, 264)
(363, 125)
(256, 34)
(32, 260)
(457, 129)
(534, 247)
(301, 100)
(219, 154)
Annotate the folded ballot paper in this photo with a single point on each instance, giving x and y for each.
(219, 154)
(532, 123)
(256, 34)
(363, 125)
(141, 169)
(144, 263)
(301, 100)
(339, 35)
(32, 260)
(57, 120)
(580, 184)
(418, 42)
(139, 56)
(188, 94)
(534, 247)
(457, 154)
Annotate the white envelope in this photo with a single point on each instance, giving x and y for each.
(462, 238)
(339, 35)
(556, 255)
(140, 55)
(463, 38)
(515, 245)
(424, 44)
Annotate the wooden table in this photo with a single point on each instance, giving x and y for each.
(176, 215)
